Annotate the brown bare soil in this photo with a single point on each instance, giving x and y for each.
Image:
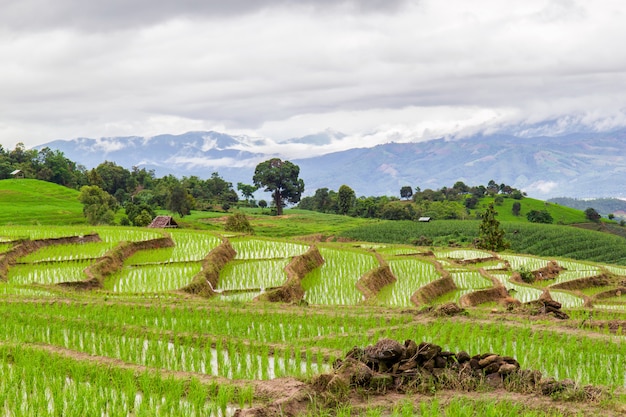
(429, 292)
(204, 283)
(373, 281)
(291, 291)
(113, 261)
(26, 246)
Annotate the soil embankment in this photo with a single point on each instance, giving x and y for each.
(291, 291)
(26, 246)
(429, 292)
(205, 282)
(373, 281)
(113, 261)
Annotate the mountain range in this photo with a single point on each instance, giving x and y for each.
(578, 165)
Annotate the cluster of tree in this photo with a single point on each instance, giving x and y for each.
(44, 164)
(444, 203)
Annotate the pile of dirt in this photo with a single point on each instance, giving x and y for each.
(449, 310)
(373, 281)
(550, 271)
(205, 282)
(487, 295)
(26, 246)
(545, 305)
(429, 292)
(291, 291)
(391, 366)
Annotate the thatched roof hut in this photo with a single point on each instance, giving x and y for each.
(163, 222)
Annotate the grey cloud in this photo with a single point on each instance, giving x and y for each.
(93, 15)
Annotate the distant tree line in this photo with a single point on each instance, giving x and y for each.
(445, 203)
(109, 187)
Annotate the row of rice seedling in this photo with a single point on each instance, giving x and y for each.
(5, 247)
(266, 249)
(11, 290)
(128, 234)
(152, 278)
(222, 321)
(567, 275)
(262, 274)
(470, 280)
(617, 270)
(38, 232)
(555, 354)
(34, 383)
(522, 293)
(518, 262)
(189, 245)
(230, 359)
(566, 299)
(48, 273)
(411, 274)
(334, 282)
(69, 252)
(463, 254)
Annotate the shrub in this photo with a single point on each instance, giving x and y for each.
(238, 222)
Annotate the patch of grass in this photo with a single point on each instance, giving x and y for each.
(28, 201)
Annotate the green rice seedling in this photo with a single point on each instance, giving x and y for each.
(253, 274)
(566, 299)
(334, 282)
(266, 249)
(189, 246)
(48, 273)
(152, 278)
(470, 280)
(518, 262)
(411, 274)
(463, 254)
(522, 293)
(70, 252)
(617, 270)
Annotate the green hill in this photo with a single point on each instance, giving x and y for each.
(560, 214)
(28, 201)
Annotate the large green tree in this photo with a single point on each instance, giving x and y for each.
(490, 235)
(98, 206)
(281, 179)
(345, 199)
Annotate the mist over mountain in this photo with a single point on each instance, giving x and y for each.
(578, 165)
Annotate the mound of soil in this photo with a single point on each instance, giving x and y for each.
(373, 281)
(204, 283)
(391, 366)
(291, 291)
(550, 271)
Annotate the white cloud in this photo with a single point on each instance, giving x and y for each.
(541, 187)
(377, 71)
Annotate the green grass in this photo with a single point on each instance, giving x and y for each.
(27, 201)
(560, 214)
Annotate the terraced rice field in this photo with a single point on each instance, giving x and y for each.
(140, 346)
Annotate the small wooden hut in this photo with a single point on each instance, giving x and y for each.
(18, 173)
(162, 222)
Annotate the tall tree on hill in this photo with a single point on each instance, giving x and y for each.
(98, 206)
(490, 235)
(281, 179)
(345, 199)
(406, 192)
(592, 215)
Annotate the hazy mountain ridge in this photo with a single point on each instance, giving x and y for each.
(580, 165)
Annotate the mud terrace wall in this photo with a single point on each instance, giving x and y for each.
(24, 247)
(204, 283)
(291, 291)
(437, 288)
(373, 281)
(113, 261)
(484, 296)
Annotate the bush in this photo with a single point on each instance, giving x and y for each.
(526, 275)
(238, 222)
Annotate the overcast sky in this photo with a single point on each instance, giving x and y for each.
(376, 70)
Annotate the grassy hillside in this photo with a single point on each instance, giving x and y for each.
(529, 238)
(560, 214)
(28, 201)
